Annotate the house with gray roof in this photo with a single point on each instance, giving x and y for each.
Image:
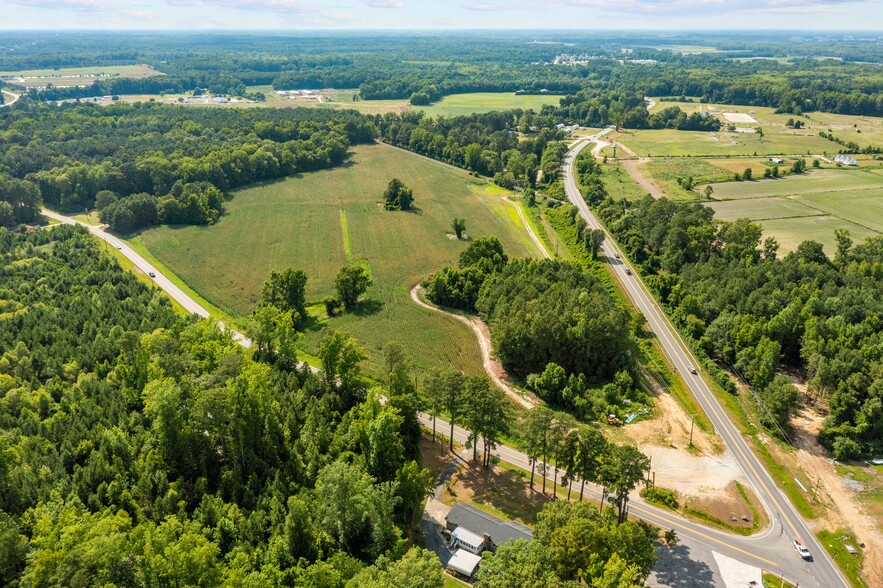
(494, 530)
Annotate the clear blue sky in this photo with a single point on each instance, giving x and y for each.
(441, 14)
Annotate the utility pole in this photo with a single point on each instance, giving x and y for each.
(692, 422)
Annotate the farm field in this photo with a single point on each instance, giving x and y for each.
(462, 104)
(78, 76)
(863, 207)
(807, 206)
(815, 181)
(665, 172)
(454, 105)
(791, 232)
(777, 138)
(761, 209)
(319, 221)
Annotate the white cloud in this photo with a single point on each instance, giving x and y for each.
(383, 3)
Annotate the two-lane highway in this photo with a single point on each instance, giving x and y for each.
(822, 571)
(178, 295)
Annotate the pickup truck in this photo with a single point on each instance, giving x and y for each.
(801, 549)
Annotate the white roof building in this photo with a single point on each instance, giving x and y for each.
(464, 539)
(464, 563)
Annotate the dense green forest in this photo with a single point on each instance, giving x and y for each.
(420, 67)
(754, 310)
(143, 449)
(163, 164)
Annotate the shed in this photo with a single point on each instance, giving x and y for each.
(464, 562)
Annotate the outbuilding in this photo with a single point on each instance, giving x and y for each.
(464, 563)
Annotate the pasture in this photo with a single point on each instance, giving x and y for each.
(478, 102)
(77, 76)
(807, 206)
(815, 181)
(306, 222)
(453, 105)
(777, 139)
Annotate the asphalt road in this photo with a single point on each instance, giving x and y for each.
(775, 543)
(770, 550)
(145, 266)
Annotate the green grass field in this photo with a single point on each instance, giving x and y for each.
(760, 209)
(812, 182)
(454, 105)
(79, 76)
(297, 222)
(619, 183)
(864, 207)
(777, 138)
(807, 206)
(666, 171)
(462, 104)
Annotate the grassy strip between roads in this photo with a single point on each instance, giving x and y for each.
(834, 543)
(774, 581)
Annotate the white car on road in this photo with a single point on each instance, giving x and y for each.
(801, 549)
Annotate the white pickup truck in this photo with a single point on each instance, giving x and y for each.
(801, 549)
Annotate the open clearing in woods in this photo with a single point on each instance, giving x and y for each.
(297, 222)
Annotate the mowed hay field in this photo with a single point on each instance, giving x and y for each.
(777, 138)
(807, 206)
(322, 220)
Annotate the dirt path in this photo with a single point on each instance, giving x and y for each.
(527, 226)
(11, 102)
(492, 367)
(633, 167)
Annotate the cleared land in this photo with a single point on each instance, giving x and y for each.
(297, 222)
(812, 182)
(777, 138)
(462, 104)
(77, 76)
(454, 105)
(763, 209)
(807, 206)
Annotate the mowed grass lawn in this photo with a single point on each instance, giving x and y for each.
(301, 222)
(807, 206)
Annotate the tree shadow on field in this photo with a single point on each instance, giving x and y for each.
(366, 307)
(676, 569)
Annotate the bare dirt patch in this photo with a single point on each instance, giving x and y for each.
(635, 169)
(739, 117)
(728, 505)
(843, 503)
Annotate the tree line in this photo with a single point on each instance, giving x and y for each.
(166, 164)
(755, 311)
